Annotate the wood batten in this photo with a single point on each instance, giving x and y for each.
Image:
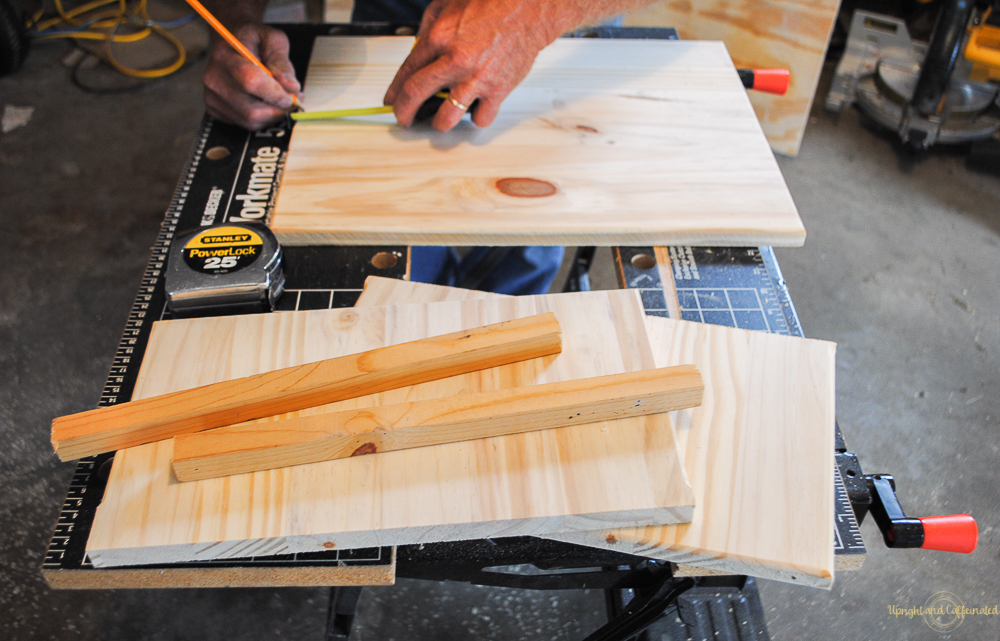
(294, 388)
(264, 445)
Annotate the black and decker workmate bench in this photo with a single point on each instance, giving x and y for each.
(737, 287)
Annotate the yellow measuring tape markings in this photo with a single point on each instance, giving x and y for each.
(346, 113)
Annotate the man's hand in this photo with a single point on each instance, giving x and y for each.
(479, 50)
(237, 92)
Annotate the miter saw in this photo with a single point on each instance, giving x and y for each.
(944, 91)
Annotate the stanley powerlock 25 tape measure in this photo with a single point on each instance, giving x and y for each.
(224, 266)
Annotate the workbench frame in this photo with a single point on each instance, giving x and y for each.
(703, 284)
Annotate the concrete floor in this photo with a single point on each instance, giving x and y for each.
(900, 269)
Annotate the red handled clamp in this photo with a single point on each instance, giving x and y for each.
(951, 533)
(769, 80)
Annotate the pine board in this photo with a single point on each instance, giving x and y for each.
(575, 478)
(379, 291)
(337, 10)
(759, 451)
(641, 141)
(785, 34)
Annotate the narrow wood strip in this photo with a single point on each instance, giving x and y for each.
(203, 576)
(264, 445)
(294, 388)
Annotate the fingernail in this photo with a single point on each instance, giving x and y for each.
(285, 102)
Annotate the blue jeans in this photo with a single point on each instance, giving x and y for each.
(522, 270)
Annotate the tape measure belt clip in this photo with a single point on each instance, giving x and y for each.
(224, 265)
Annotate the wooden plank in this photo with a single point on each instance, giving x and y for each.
(265, 445)
(222, 577)
(337, 10)
(785, 34)
(379, 291)
(152, 419)
(620, 472)
(758, 452)
(606, 142)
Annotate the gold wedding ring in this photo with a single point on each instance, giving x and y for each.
(457, 104)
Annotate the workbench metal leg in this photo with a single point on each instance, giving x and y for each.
(715, 609)
(642, 611)
(578, 280)
(343, 607)
(615, 601)
(725, 608)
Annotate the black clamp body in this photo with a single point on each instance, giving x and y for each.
(948, 533)
(898, 530)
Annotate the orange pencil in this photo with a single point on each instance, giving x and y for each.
(231, 39)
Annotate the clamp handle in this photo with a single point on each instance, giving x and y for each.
(769, 80)
(950, 533)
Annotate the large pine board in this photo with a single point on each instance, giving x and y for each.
(642, 142)
(785, 34)
(758, 451)
(576, 478)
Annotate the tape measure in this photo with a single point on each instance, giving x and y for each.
(224, 266)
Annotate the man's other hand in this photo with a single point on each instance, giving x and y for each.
(237, 92)
(478, 49)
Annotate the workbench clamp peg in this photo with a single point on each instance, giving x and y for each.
(774, 81)
(948, 533)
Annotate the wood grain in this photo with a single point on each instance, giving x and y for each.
(337, 10)
(758, 451)
(265, 445)
(785, 34)
(379, 291)
(152, 419)
(638, 142)
(620, 472)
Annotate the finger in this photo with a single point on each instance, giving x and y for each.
(485, 111)
(230, 80)
(268, 45)
(220, 109)
(274, 49)
(235, 106)
(421, 56)
(431, 14)
(254, 81)
(252, 117)
(421, 86)
(450, 114)
(229, 71)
